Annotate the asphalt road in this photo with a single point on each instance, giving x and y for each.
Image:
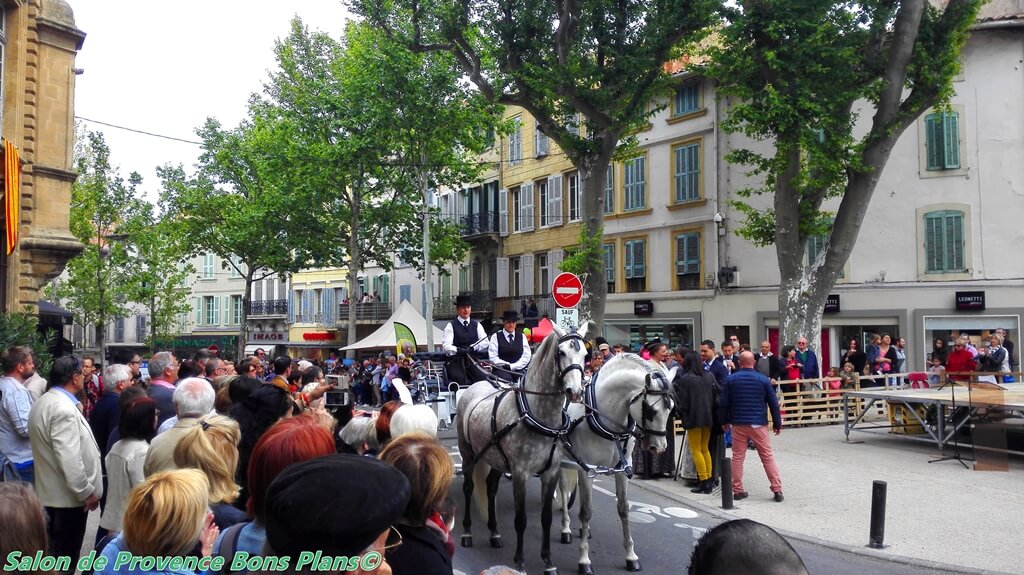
(664, 533)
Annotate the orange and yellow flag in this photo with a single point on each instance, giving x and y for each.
(12, 194)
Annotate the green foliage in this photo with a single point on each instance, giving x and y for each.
(19, 328)
(362, 122)
(796, 69)
(103, 207)
(589, 254)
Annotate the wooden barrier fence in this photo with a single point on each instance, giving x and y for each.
(819, 401)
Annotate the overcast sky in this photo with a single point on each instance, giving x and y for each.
(163, 67)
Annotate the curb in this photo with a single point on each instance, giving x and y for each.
(865, 551)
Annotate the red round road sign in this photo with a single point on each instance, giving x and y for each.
(567, 290)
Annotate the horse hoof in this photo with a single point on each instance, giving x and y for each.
(587, 569)
(566, 538)
(633, 565)
(467, 540)
(551, 570)
(496, 542)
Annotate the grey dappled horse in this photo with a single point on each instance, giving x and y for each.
(629, 396)
(517, 430)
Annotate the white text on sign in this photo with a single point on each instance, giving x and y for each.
(567, 318)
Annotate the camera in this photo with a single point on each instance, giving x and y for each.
(338, 398)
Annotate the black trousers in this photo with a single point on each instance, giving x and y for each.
(66, 528)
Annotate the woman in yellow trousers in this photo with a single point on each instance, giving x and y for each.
(695, 393)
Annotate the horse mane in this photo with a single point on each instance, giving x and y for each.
(546, 352)
(626, 361)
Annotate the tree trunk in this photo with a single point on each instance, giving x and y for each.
(592, 169)
(801, 302)
(243, 326)
(355, 261)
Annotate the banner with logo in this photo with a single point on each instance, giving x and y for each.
(405, 341)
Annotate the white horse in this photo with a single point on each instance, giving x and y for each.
(629, 396)
(517, 429)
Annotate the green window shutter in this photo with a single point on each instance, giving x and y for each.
(951, 141)
(216, 311)
(954, 241)
(609, 263)
(933, 141)
(639, 259)
(627, 253)
(933, 242)
(198, 302)
(688, 253)
(609, 189)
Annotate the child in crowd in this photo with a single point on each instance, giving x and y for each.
(936, 371)
(849, 376)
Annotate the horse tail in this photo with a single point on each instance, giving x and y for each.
(480, 471)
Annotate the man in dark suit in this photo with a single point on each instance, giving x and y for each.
(462, 334)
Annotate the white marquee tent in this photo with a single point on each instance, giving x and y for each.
(385, 334)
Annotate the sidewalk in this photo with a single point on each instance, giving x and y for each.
(937, 512)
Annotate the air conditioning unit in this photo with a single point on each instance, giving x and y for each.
(726, 275)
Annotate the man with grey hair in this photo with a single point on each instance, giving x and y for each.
(163, 371)
(105, 416)
(193, 400)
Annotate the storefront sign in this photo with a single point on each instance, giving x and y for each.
(268, 336)
(832, 304)
(643, 307)
(970, 300)
(320, 336)
(186, 345)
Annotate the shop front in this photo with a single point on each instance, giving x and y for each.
(647, 323)
(185, 346)
(313, 344)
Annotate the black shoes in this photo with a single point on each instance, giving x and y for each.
(779, 498)
(740, 495)
(706, 487)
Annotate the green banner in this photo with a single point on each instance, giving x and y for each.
(405, 341)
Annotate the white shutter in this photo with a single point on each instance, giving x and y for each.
(226, 310)
(199, 310)
(526, 275)
(216, 311)
(501, 267)
(503, 213)
(555, 200)
(555, 258)
(526, 207)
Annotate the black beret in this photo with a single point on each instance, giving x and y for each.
(337, 504)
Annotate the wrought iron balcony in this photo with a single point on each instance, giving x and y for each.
(268, 307)
(483, 304)
(481, 223)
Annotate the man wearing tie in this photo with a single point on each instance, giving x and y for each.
(508, 349)
(462, 334)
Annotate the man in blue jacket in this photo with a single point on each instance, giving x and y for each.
(745, 397)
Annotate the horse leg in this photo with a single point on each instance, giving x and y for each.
(548, 483)
(566, 483)
(586, 487)
(519, 495)
(467, 491)
(493, 480)
(621, 495)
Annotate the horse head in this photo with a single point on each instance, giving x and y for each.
(571, 358)
(656, 405)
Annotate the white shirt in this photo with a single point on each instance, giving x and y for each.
(448, 337)
(492, 352)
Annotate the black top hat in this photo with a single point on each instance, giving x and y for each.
(509, 315)
(463, 299)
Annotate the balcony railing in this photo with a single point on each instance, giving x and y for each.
(483, 304)
(268, 307)
(545, 305)
(376, 311)
(482, 223)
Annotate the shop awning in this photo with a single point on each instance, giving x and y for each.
(51, 314)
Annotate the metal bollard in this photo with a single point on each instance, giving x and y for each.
(726, 473)
(877, 535)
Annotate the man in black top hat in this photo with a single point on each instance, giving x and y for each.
(462, 334)
(508, 349)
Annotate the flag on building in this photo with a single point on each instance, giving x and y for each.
(12, 194)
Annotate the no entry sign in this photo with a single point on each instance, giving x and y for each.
(567, 290)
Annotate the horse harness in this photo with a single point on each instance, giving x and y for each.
(526, 416)
(656, 384)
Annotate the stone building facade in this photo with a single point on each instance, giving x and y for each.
(39, 45)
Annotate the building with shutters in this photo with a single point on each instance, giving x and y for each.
(935, 258)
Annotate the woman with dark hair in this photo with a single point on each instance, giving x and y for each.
(425, 548)
(695, 403)
(790, 364)
(256, 414)
(940, 351)
(855, 356)
(645, 463)
(137, 427)
(242, 387)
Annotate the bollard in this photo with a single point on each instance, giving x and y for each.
(726, 473)
(877, 536)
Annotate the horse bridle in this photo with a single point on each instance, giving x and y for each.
(647, 410)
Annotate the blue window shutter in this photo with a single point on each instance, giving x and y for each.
(199, 310)
(640, 259)
(609, 189)
(609, 263)
(291, 306)
(627, 254)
